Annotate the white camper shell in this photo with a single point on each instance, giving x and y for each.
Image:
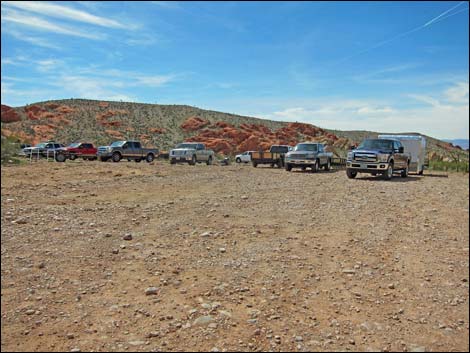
(415, 146)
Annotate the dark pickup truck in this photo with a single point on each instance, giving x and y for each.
(378, 156)
(131, 150)
(274, 157)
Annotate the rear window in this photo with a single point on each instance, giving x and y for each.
(279, 149)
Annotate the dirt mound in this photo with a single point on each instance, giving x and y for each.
(156, 130)
(115, 134)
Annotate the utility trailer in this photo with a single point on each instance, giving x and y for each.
(274, 157)
(415, 145)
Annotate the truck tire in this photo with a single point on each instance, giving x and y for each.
(150, 157)
(328, 165)
(209, 161)
(315, 166)
(288, 167)
(303, 168)
(73, 157)
(351, 173)
(238, 160)
(116, 157)
(103, 159)
(255, 164)
(60, 157)
(193, 160)
(172, 161)
(388, 175)
(404, 172)
(421, 172)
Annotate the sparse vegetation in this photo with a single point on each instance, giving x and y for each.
(10, 147)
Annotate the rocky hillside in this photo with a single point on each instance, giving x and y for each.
(165, 125)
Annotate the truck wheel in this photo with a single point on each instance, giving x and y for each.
(351, 173)
(209, 161)
(172, 161)
(73, 157)
(421, 172)
(255, 164)
(272, 165)
(303, 168)
(238, 160)
(315, 166)
(193, 160)
(149, 158)
(103, 159)
(60, 157)
(116, 157)
(404, 172)
(388, 175)
(137, 160)
(328, 165)
(288, 167)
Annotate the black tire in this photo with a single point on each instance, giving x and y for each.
(315, 166)
(328, 165)
(421, 172)
(303, 168)
(351, 173)
(150, 157)
(272, 165)
(288, 167)
(404, 172)
(209, 161)
(116, 157)
(73, 157)
(255, 164)
(137, 160)
(172, 161)
(103, 159)
(388, 175)
(193, 160)
(238, 160)
(60, 157)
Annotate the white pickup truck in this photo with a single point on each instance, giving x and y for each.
(308, 154)
(191, 153)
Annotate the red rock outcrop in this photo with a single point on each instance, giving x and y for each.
(194, 123)
(9, 115)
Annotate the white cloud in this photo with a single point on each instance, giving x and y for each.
(59, 11)
(38, 41)
(44, 25)
(458, 93)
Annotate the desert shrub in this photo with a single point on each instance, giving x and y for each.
(457, 166)
(10, 148)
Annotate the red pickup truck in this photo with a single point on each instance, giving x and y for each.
(76, 150)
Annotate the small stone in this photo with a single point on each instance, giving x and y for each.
(298, 338)
(75, 350)
(349, 271)
(222, 250)
(30, 312)
(115, 251)
(128, 236)
(391, 286)
(151, 291)
(203, 320)
(70, 336)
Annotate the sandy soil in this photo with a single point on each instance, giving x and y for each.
(241, 258)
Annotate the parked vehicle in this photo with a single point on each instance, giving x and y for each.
(244, 157)
(132, 150)
(191, 153)
(76, 150)
(378, 156)
(308, 155)
(43, 149)
(275, 156)
(415, 145)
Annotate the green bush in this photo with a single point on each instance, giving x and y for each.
(10, 148)
(457, 166)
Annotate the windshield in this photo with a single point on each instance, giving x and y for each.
(118, 143)
(41, 145)
(186, 145)
(306, 147)
(74, 145)
(378, 144)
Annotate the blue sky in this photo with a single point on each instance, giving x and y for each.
(381, 66)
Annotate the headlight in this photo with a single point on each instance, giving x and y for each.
(381, 157)
(109, 149)
(350, 155)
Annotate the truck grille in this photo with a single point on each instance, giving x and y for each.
(298, 155)
(365, 157)
(102, 149)
(177, 153)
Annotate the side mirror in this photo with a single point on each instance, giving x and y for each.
(401, 149)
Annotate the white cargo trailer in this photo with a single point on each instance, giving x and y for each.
(416, 146)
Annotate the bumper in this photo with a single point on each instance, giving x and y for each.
(104, 154)
(300, 161)
(367, 167)
(181, 159)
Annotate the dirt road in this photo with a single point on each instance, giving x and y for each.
(231, 258)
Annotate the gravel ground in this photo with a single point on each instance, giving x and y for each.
(137, 257)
